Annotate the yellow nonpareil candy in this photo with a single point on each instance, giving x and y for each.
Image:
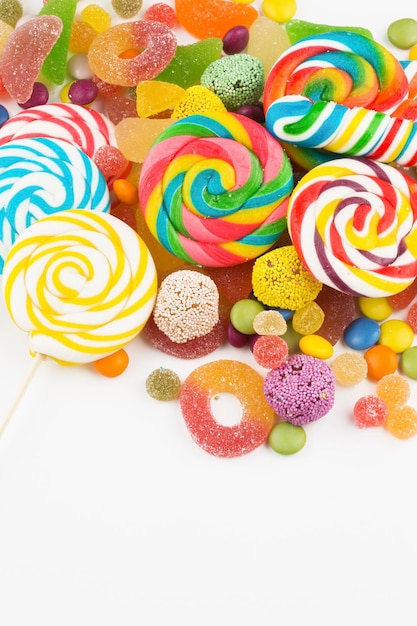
(153, 97)
(279, 10)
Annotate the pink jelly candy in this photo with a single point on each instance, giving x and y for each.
(24, 53)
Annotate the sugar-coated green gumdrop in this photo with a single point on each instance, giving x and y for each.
(403, 33)
(285, 438)
(55, 65)
(190, 62)
(298, 29)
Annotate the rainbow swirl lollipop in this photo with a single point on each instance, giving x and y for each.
(82, 284)
(41, 176)
(353, 225)
(339, 66)
(214, 189)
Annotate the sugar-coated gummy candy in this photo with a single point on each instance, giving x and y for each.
(409, 362)
(156, 45)
(349, 368)
(308, 319)
(163, 384)
(24, 53)
(154, 96)
(244, 382)
(281, 11)
(55, 65)
(402, 33)
(361, 333)
(397, 334)
(119, 107)
(298, 29)
(369, 411)
(402, 299)
(237, 80)
(197, 99)
(339, 310)
(134, 136)
(375, 308)
(161, 12)
(267, 41)
(402, 422)
(11, 11)
(243, 313)
(81, 36)
(270, 351)
(233, 281)
(381, 360)
(302, 390)
(112, 365)
(190, 61)
(213, 18)
(5, 32)
(316, 346)
(285, 438)
(411, 317)
(235, 40)
(393, 389)
(97, 17)
(269, 322)
(110, 161)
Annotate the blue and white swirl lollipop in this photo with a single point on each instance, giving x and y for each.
(40, 176)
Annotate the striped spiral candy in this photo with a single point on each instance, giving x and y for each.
(353, 225)
(214, 189)
(339, 129)
(40, 176)
(338, 66)
(82, 284)
(86, 128)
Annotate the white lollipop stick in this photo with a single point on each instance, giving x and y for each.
(21, 391)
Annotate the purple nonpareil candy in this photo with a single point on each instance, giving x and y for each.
(301, 390)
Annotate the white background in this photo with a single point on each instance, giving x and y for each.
(110, 515)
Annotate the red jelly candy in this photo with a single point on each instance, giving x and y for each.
(213, 18)
(370, 411)
(401, 300)
(270, 351)
(339, 312)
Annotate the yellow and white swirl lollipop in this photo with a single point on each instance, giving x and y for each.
(82, 284)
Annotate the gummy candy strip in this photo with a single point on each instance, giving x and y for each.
(341, 66)
(342, 130)
(82, 284)
(246, 384)
(41, 176)
(353, 224)
(214, 189)
(86, 128)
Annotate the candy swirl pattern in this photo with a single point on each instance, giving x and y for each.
(343, 67)
(41, 176)
(82, 284)
(339, 129)
(353, 225)
(83, 127)
(214, 189)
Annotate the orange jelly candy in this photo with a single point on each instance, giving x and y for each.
(213, 18)
(156, 45)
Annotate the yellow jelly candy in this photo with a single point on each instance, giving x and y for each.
(5, 32)
(314, 345)
(82, 34)
(280, 11)
(402, 422)
(97, 17)
(153, 96)
(267, 41)
(134, 136)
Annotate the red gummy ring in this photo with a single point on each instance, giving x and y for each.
(156, 45)
(241, 380)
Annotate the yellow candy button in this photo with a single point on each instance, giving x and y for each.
(377, 309)
(281, 11)
(396, 334)
(314, 345)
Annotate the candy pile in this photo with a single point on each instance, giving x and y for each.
(263, 173)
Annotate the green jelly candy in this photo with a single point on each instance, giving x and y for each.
(243, 313)
(403, 33)
(54, 67)
(190, 61)
(409, 362)
(285, 438)
(298, 29)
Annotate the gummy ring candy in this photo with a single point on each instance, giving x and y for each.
(241, 380)
(156, 45)
(343, 67)
(214, 189)
(81, 283)
(353, 225)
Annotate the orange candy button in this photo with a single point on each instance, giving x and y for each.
(381, 360)
(112, 365)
